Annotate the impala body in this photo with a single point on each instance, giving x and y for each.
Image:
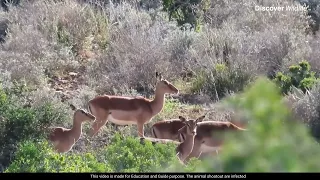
(122, 110)
(167, 129)
(64, 139)
(211, 135)
(185, 147)
(209, 138)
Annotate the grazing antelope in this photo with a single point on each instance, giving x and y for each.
(64, 139)
(122, 110)
(190, 131)
(211, 135)
(167, 129)
(209, 138)
(185, 147)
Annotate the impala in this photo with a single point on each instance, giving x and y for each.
(209, 138)
(211, 135)
(167, 129)
(122, 110)
(185, 147)
(64, 139)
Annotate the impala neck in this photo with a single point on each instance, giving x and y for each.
(187, 146)
(158, 102)
(76, 129)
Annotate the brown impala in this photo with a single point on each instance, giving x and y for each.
(122, 110)
(185, 147)
(64, 139)
(209, 138)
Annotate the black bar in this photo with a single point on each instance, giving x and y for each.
(174, 176)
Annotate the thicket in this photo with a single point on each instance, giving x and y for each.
(116, 48)
(299, 76)
(260, 149)
(25, 119)
(123, 154)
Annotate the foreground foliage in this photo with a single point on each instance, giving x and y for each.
(268, 146)
(122, 155)
(21, 120)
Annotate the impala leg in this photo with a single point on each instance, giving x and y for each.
(140, 127)
(179, 159)
(96, 127)
(101, 120)
(199, 155)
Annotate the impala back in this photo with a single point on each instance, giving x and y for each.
(212, 134)
(167, 129)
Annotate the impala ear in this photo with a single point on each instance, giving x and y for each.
(158, 76)
(200, 119)
(72, 107)
(182, 119)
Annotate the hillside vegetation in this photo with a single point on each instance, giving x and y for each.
(224, 56)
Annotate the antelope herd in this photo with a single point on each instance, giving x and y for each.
(193, 137)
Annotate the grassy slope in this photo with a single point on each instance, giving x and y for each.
(119, 48)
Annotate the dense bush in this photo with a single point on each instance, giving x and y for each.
(129, 155)
(268, 145)
(299, 76)
(39, 157)
(220, 81)
(115, 48)
(262, 147)
(120, 46)
(122, 155)
(23, 119)
(6, 3)
(186, 12)
(313, 12)
(306, 107)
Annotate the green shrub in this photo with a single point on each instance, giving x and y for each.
(122, 155)
(187, 12)
(19, 121)
(39, 157)
(220, 81)
(129, 155)
(274, 142)
(299, 76)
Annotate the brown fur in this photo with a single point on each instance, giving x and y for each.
(64, 139)
(130, 110)
(212, 134)
(167, 129)
(209, 133)
(185, 147)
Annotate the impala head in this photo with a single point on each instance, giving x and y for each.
(190, 125)
(82, 115)
(164, 85)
